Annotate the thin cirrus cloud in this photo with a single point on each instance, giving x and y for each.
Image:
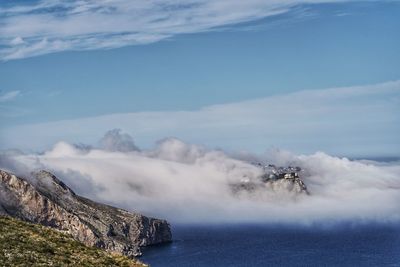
(49, 26)
(7, 109)
(9, 96)
(359, 120)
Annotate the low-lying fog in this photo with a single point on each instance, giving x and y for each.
(188, 183)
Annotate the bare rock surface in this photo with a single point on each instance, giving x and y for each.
(274, 179)
(48, 201)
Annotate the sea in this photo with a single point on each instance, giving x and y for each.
(274, 245)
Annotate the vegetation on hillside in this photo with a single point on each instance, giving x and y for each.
(27, 244)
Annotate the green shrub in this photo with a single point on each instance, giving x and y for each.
(23, 244)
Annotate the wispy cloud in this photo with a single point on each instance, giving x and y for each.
(8, 109)
(48, 26)
(8, 96)
(351, 120)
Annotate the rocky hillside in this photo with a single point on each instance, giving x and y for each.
(48, 201)
(22, 243)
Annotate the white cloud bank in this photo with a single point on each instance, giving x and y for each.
(352, 121)
(48, 26)
(188, 183)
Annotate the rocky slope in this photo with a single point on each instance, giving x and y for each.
(22, 243)
(48, 201)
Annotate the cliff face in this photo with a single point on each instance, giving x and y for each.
(50, 202)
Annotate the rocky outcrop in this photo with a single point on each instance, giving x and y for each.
(284, 177)
(274, 179)
(48, 201)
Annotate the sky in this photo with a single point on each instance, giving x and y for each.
(304, 76)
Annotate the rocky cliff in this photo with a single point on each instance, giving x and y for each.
(27, 244)
(48, 201)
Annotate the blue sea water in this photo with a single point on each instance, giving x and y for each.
(257, 245)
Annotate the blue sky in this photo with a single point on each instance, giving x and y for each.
(189, 57)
